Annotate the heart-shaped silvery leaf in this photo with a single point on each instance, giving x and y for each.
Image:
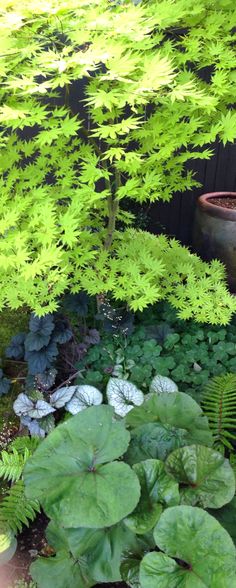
(84, 396)
(59, 398)
(123, 396)
(24, 406)
(162, 384)
(33, 426)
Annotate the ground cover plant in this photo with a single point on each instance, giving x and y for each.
(95, 112)
(157, 342)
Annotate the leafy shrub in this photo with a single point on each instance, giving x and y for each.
(187, 353)
(111, 521)
(139, 110)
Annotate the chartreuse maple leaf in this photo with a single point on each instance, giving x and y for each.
(103, 102)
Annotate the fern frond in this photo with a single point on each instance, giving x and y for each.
(12, 464)
(232, 461)
(16, 510)
(25, 442)
(219, 405)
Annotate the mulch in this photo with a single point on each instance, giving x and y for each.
(224, 202)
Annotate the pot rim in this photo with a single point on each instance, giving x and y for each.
(205, 205)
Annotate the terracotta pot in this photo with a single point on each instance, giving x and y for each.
(214, 233)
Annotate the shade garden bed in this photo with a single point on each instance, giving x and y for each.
(107, 352)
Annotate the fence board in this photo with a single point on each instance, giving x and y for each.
(176, 217)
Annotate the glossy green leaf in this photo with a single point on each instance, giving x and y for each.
(177, 410)
(130, 571)
(70, 476)
(205, 476)
(131, 560)
(198, 552)
(61, 571)
(153, 441)
(101, 549)
(157, 489)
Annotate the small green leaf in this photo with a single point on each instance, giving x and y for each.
(157, 489)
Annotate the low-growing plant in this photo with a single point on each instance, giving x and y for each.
(188, 353)
(15, 509)
(39, 347)
(122, 510)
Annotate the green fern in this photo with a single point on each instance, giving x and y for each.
(12, 464)
(25, 442)
(219, 404)
(16, 510)
(232, 460)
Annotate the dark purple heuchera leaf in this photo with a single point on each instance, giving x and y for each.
(81, 350)
(62, 333)
(77, 303)
(36, 341)
(39, 361)
(93, 337)
(43, 325)
(46, 380)
(16, 348)
(5, 384)
(109, 369)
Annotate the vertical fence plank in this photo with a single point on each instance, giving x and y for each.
(176, 217)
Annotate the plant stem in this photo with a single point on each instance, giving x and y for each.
(113, 207)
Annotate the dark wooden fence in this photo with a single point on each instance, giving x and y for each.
(176, 217)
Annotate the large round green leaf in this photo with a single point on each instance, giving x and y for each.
(155, 441)
(157, 489)
(61, 571)
(100, 549)
(176, 410)
(205, 476)
(70, 476)
(198, 552)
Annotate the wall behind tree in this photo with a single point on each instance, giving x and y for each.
(176, 218)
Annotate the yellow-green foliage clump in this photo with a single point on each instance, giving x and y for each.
(140, 110)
